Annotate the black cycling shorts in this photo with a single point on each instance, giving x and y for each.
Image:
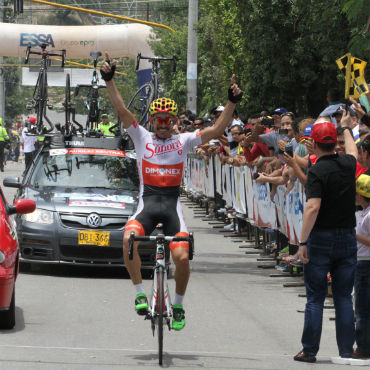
(155, 209)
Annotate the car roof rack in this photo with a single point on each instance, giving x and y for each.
(57, 140)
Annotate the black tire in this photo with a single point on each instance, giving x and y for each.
(42, 94)
(7, 318)
(160, 294)
(67, 101)
(140, 103)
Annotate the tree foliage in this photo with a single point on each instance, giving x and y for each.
(283, 52)
(358, 15)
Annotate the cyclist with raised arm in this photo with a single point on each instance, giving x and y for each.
(160, 162)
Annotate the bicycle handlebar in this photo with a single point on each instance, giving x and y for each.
(156, 60)
(161, 238)
(44, 53)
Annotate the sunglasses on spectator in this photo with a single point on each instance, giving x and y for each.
(198, 124)
(159, 120)
(289, 114)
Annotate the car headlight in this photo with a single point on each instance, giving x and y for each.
(40, 216)
(2, 257)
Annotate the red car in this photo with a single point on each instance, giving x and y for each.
(9, 257)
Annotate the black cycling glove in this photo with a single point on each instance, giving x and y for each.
(108, 76)
(234, 98)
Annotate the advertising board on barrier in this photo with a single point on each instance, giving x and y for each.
(240, 191)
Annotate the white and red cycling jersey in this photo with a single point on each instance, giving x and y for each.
(160, 162)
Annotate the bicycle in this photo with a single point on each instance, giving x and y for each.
(69, 108)
(140, 102)
(160, 308)
(39, 100)
(92, 99)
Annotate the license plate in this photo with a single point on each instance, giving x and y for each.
(91, 237)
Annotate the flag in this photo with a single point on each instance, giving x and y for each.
(353, 68)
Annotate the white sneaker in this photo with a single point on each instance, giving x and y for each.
(359, 362)
(341, 360)
(229, 227)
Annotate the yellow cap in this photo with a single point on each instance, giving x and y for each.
(363, 185)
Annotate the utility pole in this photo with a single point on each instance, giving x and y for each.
(192, 58)
(2, 81)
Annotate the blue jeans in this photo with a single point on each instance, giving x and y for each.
(362, 306)
(334, 251)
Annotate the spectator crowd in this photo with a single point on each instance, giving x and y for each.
(330, 156)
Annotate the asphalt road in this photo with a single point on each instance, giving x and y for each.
(237, 316)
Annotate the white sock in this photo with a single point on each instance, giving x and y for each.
(178, 299)
(139, 288)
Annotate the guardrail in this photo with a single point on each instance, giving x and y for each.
(250, 200)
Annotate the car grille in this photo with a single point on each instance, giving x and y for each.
(86, 253)
(78, 221)
(100, 255)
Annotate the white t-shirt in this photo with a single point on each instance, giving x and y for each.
(28, 141)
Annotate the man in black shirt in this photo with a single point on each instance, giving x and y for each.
(327, 242)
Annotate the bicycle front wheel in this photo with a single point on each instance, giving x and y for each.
(67, 101)
(160, 307)
(41, 100)
(140, 103)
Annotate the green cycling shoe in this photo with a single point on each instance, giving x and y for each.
(141, 304)
(178, 319)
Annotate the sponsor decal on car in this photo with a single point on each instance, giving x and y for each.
(58, 152)
(84, 196)
(82, 203)
(90, 151)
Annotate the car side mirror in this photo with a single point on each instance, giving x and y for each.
(12, 182)
(22, 206)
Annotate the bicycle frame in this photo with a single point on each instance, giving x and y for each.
(153, 309)
(40, 95)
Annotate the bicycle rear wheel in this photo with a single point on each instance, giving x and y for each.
(160, 307)
(140, 103)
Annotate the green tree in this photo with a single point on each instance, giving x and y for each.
(15, 96)
(358, 14)
(283, 52)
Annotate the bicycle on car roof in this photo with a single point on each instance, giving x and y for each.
(92, 99)
(140, 102)
(39, 101)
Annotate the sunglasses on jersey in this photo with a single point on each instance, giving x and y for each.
(159, 120)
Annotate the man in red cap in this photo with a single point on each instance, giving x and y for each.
(28, 143)
(327, 241)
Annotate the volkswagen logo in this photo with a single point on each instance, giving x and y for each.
(93, 220)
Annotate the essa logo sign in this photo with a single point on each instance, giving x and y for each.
(36, 39)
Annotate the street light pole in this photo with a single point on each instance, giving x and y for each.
(192, 57)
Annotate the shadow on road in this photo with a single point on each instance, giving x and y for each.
(74, 271)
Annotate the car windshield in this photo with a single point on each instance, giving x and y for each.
(87, 168)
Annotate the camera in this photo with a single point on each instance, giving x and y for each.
(267, 121)
(283, 131)
(289, 149)
(256, 175)
(247, 131)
